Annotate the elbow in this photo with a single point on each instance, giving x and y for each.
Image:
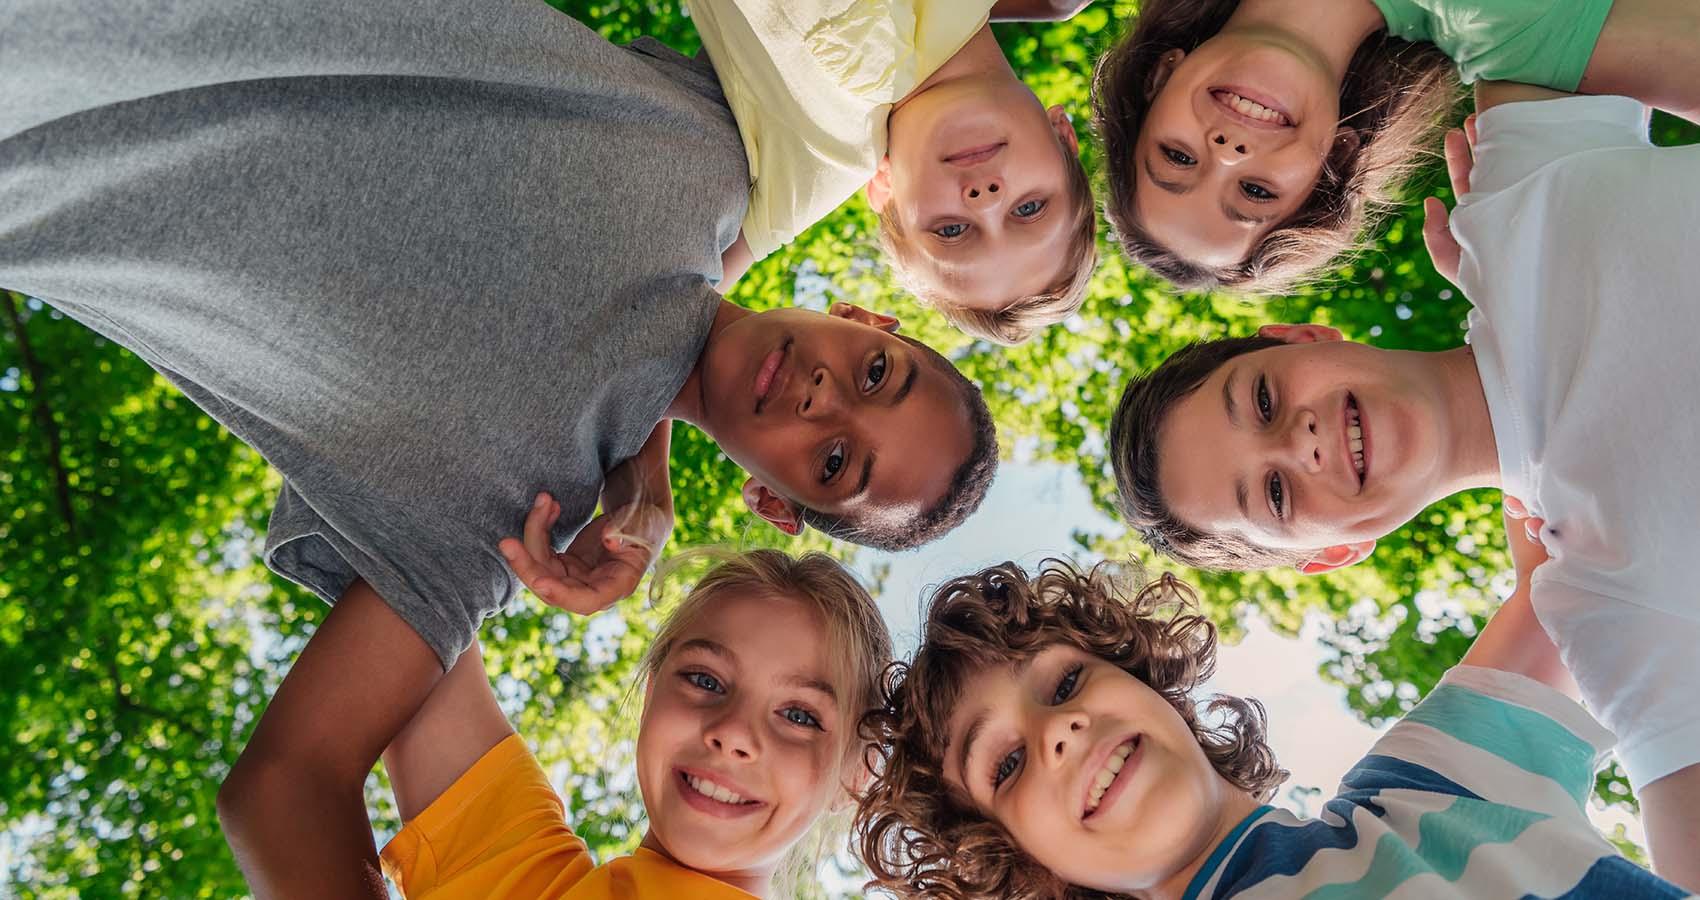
(240, 796)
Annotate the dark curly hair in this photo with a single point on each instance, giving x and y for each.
(1395, 95)
(918, 835)
(1135, 428)
(967, 488)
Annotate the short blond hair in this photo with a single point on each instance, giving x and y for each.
(1024, 316)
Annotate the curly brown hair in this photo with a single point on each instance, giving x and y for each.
(1395, 96)
(917, 833)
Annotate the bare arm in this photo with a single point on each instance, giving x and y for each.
(734, 262)
(1036, 10)
(293, 807)
(458, 724)
(1492, 93)
(1513, 641)
(1649, 50)
(1669, 811)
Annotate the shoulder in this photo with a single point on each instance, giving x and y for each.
(501, 817)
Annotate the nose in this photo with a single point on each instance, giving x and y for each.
(821, 395)
(732, 736)
(1065, 732)
(1304, 444)
(1230, 149)
(981, 188)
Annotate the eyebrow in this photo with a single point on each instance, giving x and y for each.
(867, 474)
(968, 739)
(1173, 187)
(715, 648)
(1232, 213)
(1242, 494)
(908, 381)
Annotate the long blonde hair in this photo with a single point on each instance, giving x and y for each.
(856, 634)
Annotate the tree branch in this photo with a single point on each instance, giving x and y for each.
(43, 415)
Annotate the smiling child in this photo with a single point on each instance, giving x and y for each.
(1250, 143)
(751, 694)
(1574, 394)
(984, 207)
(1047, 740)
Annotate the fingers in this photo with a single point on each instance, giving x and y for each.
(1459, 162)
(544, 512)
(1514, 507)
(1532, 527)
(1470, 130)
(1437, 236)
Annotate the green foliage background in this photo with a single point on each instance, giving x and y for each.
(140, 638)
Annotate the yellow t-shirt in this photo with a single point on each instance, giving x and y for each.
(500, 831)
(812, 82)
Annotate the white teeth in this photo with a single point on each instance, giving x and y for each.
(1107, 775)
(1251, 108)
(709, 789)
(1356, 433)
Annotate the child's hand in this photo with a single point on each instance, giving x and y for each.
(604, 563)
(1515, 511)
(1437, 231)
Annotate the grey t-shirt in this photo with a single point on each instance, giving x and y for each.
(428, 256)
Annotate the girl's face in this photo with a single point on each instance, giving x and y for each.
(742, 737)
(1233, 143)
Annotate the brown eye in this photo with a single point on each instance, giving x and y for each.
(1277, 496)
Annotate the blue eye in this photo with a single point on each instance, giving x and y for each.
(797, 715)
(1178, 157)
(1007, 766)
(953, 230)
(1256, 192)
(1030, 209)
(876, 373)
(834, 462)
(704, 681)
(1065, 685)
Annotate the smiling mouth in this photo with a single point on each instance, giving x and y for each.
(769, 376)
(713, 797)
(973, 156)
(1110, 775)
(1251, 111)
(1355, 440)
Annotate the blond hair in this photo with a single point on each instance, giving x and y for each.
(855, 632)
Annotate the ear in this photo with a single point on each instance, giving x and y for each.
(1347, 142)
(1063, 125)
(854, 313)
(879, 187)
(1166, 65)
(1301, 334)
(778, 511)
(1338, 556)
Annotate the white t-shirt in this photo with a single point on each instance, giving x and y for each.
(812, 83)
(1579, 243)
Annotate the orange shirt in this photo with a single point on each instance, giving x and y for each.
(500, 831)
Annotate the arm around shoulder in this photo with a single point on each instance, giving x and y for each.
(458, 724)
(293, 806)
(1513, 639)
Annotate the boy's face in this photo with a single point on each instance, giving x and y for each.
(834, 412)
(1320, 443)
(742, 736)
(976, 176)
(1093, 774)
(1231, 145)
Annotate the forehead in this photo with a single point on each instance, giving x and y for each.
(758, 630)
(1197, 454)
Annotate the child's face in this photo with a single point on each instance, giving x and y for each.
(976, 176)
(1091, 772)
(1266, 445)
(834, 412)
(1232, 144)
(742, 737)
